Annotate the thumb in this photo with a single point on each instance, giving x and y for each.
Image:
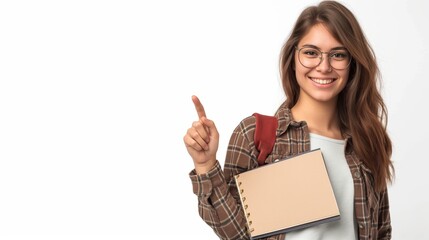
(211, 126)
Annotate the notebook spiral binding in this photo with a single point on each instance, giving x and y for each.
(245, 206)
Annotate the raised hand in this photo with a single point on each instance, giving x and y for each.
(202, 140)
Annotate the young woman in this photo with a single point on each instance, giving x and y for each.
(329, 75)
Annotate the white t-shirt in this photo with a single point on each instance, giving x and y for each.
(342, 183)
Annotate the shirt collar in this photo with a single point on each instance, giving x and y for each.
(285, 120)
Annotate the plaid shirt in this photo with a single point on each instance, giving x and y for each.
(218, 200)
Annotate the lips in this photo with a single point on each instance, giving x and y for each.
(323, 81)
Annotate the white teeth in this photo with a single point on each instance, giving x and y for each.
(322, 81)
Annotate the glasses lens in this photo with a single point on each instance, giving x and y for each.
(339, 59)
(311, 57)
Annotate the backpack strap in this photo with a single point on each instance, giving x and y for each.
(265, 135)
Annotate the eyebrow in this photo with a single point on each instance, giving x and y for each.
(335, 48)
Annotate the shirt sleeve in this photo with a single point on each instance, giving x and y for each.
(218, 200)
(384, 224)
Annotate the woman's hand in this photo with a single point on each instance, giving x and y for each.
(202, 140)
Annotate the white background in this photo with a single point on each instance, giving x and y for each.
(95, 97)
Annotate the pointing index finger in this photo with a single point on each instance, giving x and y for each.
(199, 107)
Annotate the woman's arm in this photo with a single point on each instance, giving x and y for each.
(384, 225)
(218, 199)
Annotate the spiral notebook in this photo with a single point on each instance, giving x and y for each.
(287, 195)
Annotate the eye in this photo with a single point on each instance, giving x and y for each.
(339, 56)
(310, 53)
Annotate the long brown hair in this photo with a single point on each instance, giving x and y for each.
(361, 110)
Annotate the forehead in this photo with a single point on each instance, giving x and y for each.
(319, 36)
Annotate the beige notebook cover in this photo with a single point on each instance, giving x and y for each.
(287, 195)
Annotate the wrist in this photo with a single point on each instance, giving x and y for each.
(205, 167)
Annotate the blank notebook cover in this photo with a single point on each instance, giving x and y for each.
(287, 195)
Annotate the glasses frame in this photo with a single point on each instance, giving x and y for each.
(321, 58)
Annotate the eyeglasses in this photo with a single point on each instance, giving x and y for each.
(310, 57)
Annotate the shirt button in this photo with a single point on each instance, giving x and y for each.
(360, 225)
(357, 174)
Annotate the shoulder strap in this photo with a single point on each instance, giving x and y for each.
(265, 135)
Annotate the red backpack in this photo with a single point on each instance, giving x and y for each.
(265, 135)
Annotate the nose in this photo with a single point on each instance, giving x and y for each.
(324, 65)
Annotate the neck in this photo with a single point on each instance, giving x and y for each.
(321, 117)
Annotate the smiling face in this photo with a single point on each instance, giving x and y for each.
(321, 83)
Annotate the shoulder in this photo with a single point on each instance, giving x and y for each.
(246, 127)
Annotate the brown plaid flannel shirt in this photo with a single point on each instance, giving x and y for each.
(218, 200)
